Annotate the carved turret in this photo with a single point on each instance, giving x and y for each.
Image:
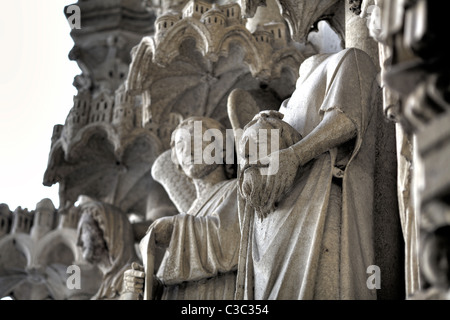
(78, 115)
(233, 13)
(196, 8)
(5, 219)
(214, 18)
(101, 108)
(263, 36)
(22, 221)
(44, 219)
(165, 22)
(278, 31)
(123, 113)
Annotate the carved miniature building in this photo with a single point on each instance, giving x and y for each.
(124, 117)
(44, 219)
(22, 221)
(5, 219)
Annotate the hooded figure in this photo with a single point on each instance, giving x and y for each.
(106, 237)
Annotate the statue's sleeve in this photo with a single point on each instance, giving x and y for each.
(201, 247)
(351, 79)
(352, 89)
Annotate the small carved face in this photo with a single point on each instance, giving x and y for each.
(90, 239)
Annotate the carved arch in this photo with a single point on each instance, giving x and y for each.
(168, 47)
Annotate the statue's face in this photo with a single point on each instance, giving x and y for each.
(90, 239)
(189, 149)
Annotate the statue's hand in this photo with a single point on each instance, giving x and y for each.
(280, 167)
(133, 279)
(163, 228)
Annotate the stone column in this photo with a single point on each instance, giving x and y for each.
(102, 49)
(389, 249)
(356, 29)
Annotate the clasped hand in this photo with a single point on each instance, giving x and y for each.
(281, 168)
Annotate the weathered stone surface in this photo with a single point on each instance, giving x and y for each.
(34, 262)
(201, 53)
(415, 71)
(201, 243)
(346, 190)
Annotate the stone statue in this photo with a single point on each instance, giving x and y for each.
(106, 238)
(314, 237)
(252, 182)
(202, 245)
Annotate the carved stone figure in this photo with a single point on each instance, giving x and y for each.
(34, 261)
(307, 230)
(106, 238)
(318, 242)
(202, 245)
(388, 245)
(252, 183)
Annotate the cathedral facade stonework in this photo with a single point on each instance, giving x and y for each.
(356, 94)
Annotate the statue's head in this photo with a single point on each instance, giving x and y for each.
(105, 234)
(253, 185)
(106, 238)
(90, 237)
(199, 147)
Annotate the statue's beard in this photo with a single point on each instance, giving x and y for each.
(254, 188)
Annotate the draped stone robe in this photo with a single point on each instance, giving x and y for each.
(201, 260)
(318, 243)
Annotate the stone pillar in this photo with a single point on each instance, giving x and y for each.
(356, 30)
(389, 248)
(44, 219)
(102, 49)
